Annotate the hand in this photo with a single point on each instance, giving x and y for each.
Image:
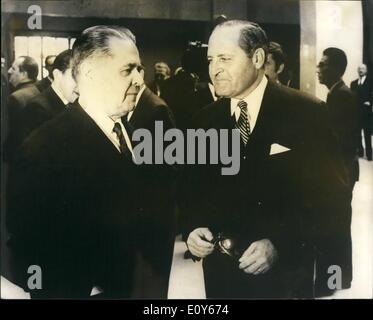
(367, 103)
(259, 257)
(199, 242)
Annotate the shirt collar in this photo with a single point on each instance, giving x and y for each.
(253, 100)
(102, 120)
(212, 90)
(362, 79)
(59, 94)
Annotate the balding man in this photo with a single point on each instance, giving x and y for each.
(363, 89)
(72, 198)
(257, 230)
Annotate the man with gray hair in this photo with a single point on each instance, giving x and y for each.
(257, 230)
(72, 208)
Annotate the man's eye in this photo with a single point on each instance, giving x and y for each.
(125, 72)
(225, 59)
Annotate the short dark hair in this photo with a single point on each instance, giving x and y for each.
(252, 36)
(337, 59)
(277, 53)
(30, 66)
(62, 61)
(95, 40)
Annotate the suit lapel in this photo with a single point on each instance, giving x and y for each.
(92, 134)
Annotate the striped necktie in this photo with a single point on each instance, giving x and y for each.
(124, 149)
(243, 123)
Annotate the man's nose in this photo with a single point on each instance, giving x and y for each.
(137, 79)
(215, 69)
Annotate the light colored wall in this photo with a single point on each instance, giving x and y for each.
(329, 24)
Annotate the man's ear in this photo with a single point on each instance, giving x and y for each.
(56, 73)
(259, 58)
(280, 68)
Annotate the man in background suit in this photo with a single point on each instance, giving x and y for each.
(156, 225)
(22, 76)
(272, 214)
(52, 101)
(343, 114)
(47, 81)
(363, 90)
(275, 63)
(73, 188)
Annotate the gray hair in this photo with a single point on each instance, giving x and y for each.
(95, 41)
(252, 36)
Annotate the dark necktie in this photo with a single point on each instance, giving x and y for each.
(243, 124)
(124, 149)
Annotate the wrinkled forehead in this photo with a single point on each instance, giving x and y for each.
(362, 67)
(121, 48)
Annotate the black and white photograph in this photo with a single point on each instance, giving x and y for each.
(186, 150)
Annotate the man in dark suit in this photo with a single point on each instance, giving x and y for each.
(257, 230)
(22, 77)
(74, 191)
(156, 226)
(343, 115)
(47, 81)
(49, 103)
(363, 90)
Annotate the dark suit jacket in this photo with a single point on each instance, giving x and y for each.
(40, 109)
(17, 101)
(43, 84)
(284, 197)
(156, 229)
(72, 207)
(363, 92)
(343, 112)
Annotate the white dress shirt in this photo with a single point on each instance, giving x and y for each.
(254, 101)
(361, 80)
(106, 124)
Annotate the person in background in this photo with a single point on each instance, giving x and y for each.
(161, 73)
(343, 114)
(362, 87)
(275, 63)
(22, 77)
(46, 82)
(53, 100)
